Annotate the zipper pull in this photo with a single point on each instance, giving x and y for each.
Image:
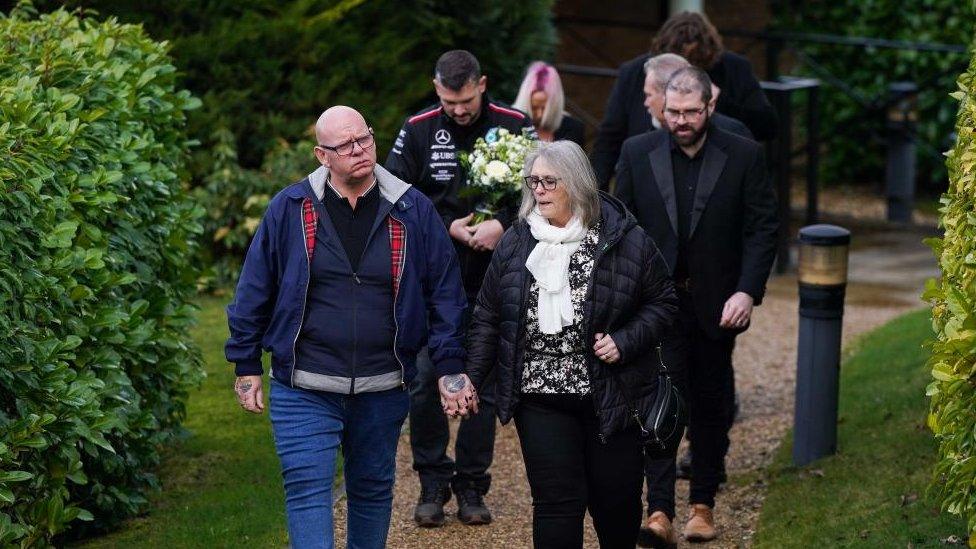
(356, 278)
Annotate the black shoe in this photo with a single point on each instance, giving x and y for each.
(430, 507)
(471, 507)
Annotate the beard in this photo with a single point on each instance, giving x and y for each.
(695, 136)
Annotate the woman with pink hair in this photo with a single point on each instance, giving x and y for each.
(541, 95)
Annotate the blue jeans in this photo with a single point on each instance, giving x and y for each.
(309, 428)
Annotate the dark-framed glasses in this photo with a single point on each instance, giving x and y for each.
(688, 114)
(548, 182)
(345, 149)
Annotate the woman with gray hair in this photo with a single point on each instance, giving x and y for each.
(575, 298)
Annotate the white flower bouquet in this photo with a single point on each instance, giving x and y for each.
(494, 169)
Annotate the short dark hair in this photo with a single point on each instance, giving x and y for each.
(691, 79)
(456, 68)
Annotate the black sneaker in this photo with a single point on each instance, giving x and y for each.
(471, 507)
(430, 507)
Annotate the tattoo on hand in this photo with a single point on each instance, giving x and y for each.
(244, 387)
(454, 383)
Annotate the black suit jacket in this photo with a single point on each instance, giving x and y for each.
(625, 116)
(732, 239)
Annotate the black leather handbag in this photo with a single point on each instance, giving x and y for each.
(662, 424)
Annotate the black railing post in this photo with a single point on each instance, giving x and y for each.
(813, 153)
(900, 169)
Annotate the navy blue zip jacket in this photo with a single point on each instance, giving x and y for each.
(270, 302)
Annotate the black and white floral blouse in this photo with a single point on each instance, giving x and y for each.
(556, 363)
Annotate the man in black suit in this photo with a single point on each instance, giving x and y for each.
(702, 194)
(740, 97)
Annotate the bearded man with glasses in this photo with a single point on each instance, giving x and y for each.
(702, 195)
(349, 274)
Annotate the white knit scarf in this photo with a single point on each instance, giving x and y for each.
(549, 265)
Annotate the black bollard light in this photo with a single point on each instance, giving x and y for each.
(900, 170)
(823, 281)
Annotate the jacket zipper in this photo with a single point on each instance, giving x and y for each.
(586, 321)
(355, 334)
(396, 297)
(301, 319)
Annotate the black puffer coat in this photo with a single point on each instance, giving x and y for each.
(630, 296)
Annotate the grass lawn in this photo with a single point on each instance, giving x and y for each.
(873, 492)
(222, 485)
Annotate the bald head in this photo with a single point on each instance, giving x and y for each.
(346, 145)
(331, 123)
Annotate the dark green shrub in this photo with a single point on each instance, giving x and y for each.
(953, 298)
(96, 237)
(265, 69)
(855, 152)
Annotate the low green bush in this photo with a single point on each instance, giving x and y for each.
(96, 239)
(953, 298)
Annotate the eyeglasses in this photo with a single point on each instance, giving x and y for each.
(548, 182)
(689, 114)
(345, 149)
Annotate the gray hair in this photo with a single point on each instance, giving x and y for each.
(570, 164)
(662, 68)
(691, 79)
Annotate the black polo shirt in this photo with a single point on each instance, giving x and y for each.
(686, 171)
(352, 225)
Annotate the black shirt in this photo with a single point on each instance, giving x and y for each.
(352, 225)
(686, 170)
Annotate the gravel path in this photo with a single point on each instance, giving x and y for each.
(765, 363)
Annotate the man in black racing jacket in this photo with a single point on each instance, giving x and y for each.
(426, 154)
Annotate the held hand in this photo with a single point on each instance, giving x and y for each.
(458, 395)
(249, 395)
(459, 229)
(605, 349)
(737, 311)
(486, 235)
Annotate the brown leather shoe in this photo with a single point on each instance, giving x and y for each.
(701, 524)
(658, 532)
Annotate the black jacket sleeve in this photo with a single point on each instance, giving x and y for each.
(403, 160)
(743, 98)
(483, 328)
(624, 190)
(658, 305)
(759, 228)
(613, 129)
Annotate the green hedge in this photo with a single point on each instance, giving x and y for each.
(854, 134)
(953, 298)
(96, 236)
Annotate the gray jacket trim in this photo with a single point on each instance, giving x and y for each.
(391, 186)
(339, 384)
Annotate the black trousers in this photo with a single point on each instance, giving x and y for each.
(571, 471)
(702, 368)
(429, 434)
